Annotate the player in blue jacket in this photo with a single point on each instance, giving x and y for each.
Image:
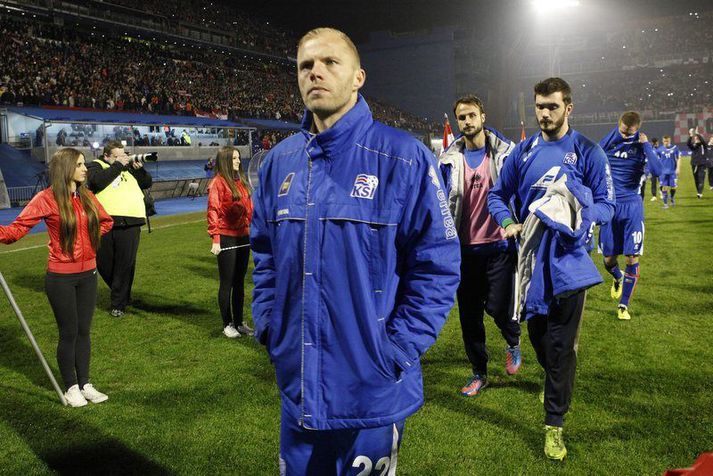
(670, 169)
(356, 267)
(531, 168)
(629, 152)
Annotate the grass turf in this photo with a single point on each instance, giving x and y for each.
(186, 400)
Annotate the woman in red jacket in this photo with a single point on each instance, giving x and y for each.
(230, 210)
(75, 222)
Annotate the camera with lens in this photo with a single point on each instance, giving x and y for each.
(150, 157)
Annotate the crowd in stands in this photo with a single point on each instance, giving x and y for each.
(659, 66)
(51, 66)
(671, 89)
(221, 16)
(44, 67)
(684, 34)
(635, 43)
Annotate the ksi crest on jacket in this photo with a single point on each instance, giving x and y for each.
(365, 186)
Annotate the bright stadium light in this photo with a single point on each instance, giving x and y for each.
(543, 5)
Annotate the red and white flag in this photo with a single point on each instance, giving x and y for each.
(447, 133)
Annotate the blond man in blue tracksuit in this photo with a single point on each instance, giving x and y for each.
(356, 267)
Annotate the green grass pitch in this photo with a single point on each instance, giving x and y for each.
(186, 400)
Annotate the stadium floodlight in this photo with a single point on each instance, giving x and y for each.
(542, 5)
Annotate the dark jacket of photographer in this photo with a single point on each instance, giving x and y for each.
(698, 151)
(101, 175)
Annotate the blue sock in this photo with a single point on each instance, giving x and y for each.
(631, 276)
(614, 271)
(665, 197)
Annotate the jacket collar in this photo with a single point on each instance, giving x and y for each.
(494, 144)
(347, 129)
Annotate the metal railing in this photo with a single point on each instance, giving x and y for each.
(22, 195)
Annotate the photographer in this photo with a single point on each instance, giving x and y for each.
(118, 181)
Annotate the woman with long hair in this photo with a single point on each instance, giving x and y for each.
(230, 210)
(75, 222)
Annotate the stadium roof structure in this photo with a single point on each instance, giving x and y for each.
(107, 117)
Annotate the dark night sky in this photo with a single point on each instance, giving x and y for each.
(358, 18)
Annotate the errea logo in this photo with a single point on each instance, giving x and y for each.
(365, 186)
(547, 178)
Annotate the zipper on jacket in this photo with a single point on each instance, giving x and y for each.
(304, 282)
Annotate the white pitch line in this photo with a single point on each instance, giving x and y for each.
(152, 228)
(23, 249)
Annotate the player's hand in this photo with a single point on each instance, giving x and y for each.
(215, 249)
(691, 132)
(643, 138)
(137, 164)
(513, 230)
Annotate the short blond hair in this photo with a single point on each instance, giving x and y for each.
(322, 30)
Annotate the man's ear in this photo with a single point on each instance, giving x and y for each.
(359, 79)
(568, 109)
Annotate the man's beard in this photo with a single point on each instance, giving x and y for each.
(471, 134)
(552, 128)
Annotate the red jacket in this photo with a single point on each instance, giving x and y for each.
(227, 216)
(44, 206)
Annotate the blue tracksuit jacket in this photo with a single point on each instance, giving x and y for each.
(534, 164)
(532, 167)
(356, 267)
(628, 159)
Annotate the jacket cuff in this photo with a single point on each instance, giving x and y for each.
(506, 222)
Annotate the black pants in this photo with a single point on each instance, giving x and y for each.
(73, 297)
(654, 186)
(699, 175)
(486, 285)
(232, 266)
(116, 261)
(710, 175)
(554, 338)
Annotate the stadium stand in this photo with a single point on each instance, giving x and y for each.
(70, 68)
(661, 66)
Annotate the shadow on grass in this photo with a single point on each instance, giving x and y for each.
(209, 272)
(442, 391)
(17, 355)
(31, 281)
(68, 445)
(157, 307)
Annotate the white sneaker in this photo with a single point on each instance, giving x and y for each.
(653, 199)
(74, 397)
(245, 329)
(231, 332)
(93, 395)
